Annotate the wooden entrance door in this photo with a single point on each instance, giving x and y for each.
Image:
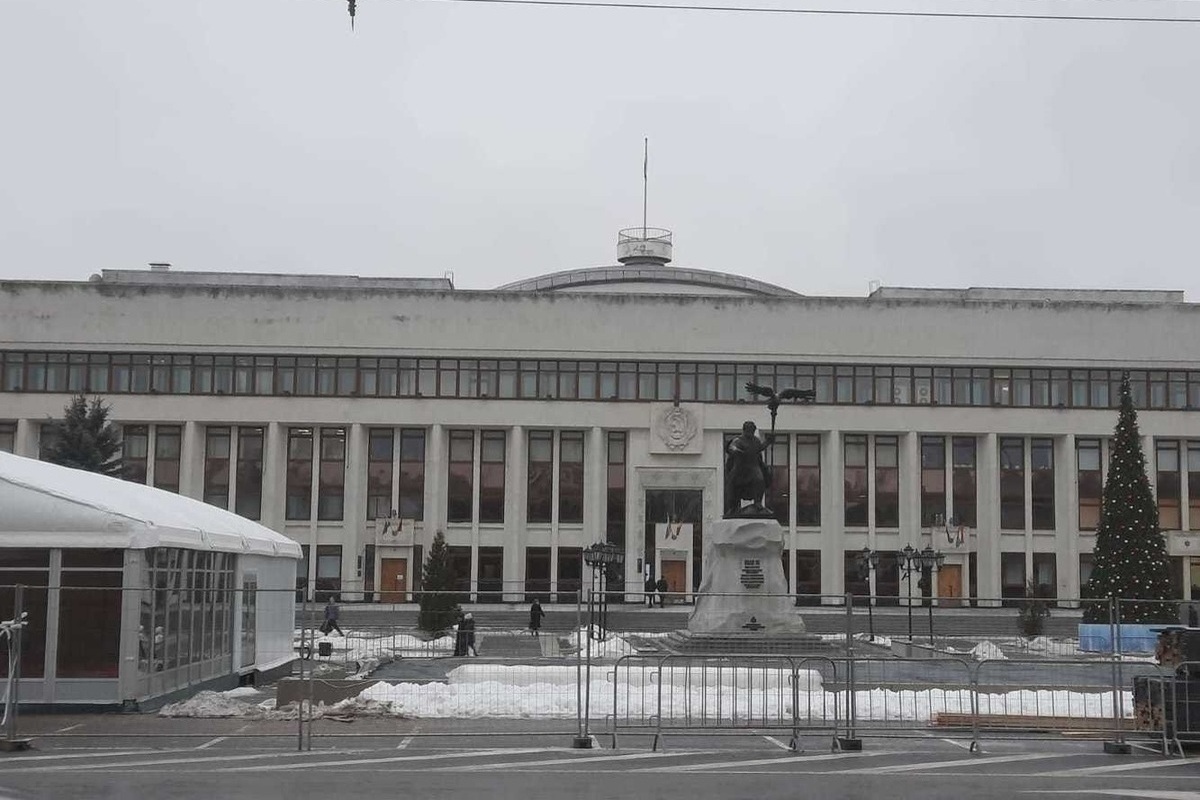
(393, 580)
(949, 590)
(675, 571)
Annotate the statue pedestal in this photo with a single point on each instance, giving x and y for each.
(743, 566)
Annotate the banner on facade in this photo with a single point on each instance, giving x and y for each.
(673, 535)
(394, 531)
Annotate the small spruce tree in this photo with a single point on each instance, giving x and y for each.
(1130, 557)
(439, 610)
(85, 439)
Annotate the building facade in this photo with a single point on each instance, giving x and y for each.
(359, 416)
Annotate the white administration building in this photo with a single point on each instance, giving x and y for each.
(357, 416)
(135, 594)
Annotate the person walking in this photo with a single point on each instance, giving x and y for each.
(650, 587)
(535, 617)
(468, 626)
(331, 618)
(663, 587)
(460, 636)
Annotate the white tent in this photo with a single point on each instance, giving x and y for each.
(135, 593)
(45, 505)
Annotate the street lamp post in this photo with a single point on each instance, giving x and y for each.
(931, 560)
(602, 557)
(868, 560)
(910, 562)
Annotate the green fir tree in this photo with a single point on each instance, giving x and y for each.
(85, 439)
(1130, 558)
(439, 606)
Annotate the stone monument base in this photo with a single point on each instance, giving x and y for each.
(743, 591)
(734, 644)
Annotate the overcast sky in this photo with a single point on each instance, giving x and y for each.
(500, 142)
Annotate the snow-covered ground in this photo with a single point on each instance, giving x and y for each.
(475, 691)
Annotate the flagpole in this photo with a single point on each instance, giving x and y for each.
(645, 182)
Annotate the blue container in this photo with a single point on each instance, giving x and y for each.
(1098, 638)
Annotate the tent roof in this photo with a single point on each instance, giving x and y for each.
(45, 505)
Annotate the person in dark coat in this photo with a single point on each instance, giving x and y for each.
(331, 619)
(650, 587)
(468, 626)
(535, 617)
(663, 587)
(460, 636)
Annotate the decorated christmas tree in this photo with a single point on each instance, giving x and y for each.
(1130, 557)
(439, 608)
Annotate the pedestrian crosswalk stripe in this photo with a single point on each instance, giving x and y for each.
(576, 760)
(393, 759)
(958, 762)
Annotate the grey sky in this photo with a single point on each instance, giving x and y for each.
(503, 142)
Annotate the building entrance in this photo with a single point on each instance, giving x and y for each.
(393, 580)
(679, 510)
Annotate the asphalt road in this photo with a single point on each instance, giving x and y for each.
(193, 759)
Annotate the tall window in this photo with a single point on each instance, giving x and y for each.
(1012, 484)
(887, 481)
(299, 473)
(808, 480)
(1091, 484)
(1193, 464)
(216, 467)
(332, 490)
(855, 480)
(1041, 489)
(963, 451)
(540, 503)
(491, 476)
(135, 448)
(1166, 461)
(8, 437)
(167, 442)
(461, 485)
(412, 473)
(933, 479)
(570, 476)
(380, 443)
(615, 505)
(779, 495)
(247, 500)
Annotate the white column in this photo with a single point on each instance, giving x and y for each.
(354, 509)
(1066, 515)
(1028, 508)
(516, 493)
(476, 472)
(792, 539)
(314, 498)
(274, 486)
(27, 438)
(910, 489)
(191, 461)
(832, 514)
(988, 513)
(435, 483)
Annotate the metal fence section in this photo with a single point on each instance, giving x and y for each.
(721, 694)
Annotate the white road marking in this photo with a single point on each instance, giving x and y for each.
(165, 761)
(392, 759)
(777, 743)
(574, 760)
(957, 744)
(958, 762)
(404, 743)
(758, 761)
(1147, 794)
(69, 728)
(95, 754)
(211, 742)
(1156, 764)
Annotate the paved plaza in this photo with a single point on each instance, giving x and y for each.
(142, 757)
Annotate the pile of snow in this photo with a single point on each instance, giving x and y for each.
(214, 705)
(629, 702)
(611, 647)
(988, 651)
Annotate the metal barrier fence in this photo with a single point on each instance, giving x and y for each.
(159, 642)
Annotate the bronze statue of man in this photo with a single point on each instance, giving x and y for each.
(746, 474)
